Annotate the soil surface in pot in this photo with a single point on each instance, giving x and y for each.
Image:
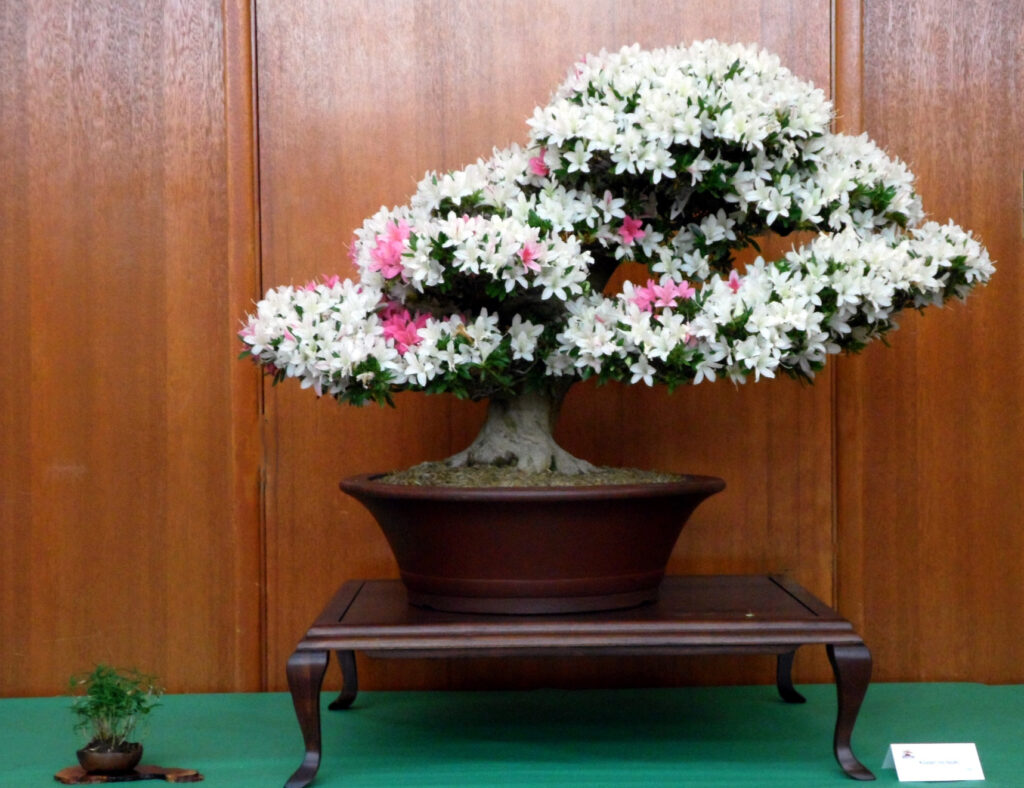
(437, 474)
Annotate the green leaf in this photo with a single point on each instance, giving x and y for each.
(109, 702)
(534, 220)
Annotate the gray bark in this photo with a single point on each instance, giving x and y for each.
(518, 433)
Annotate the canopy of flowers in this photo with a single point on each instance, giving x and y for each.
(492, 279)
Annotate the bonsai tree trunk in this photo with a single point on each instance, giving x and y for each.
(518, 433)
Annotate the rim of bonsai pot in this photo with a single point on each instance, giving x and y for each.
(368, 484)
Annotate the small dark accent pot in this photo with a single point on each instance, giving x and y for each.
(116, 762)
(527, 550)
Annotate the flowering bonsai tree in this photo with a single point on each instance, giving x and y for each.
(492, 281)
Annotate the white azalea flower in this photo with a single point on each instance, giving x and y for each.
(672, 157)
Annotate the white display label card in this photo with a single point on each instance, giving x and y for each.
(923, 763)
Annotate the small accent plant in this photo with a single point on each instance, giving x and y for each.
(112, 703)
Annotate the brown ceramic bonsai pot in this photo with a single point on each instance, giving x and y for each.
(529, 550)
(110, 762)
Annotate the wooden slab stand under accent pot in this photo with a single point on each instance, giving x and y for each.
(76, 775)
(532, 550)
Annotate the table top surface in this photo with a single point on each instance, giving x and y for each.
(692, 610)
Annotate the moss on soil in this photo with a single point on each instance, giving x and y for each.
(440, 475)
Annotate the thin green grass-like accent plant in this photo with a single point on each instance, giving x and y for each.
(109, 703)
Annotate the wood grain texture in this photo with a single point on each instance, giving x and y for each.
(357, 100)
(130, 519)
(931, 433)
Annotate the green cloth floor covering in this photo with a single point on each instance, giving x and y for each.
(720, 736)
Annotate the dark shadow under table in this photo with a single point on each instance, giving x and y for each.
(695, 614)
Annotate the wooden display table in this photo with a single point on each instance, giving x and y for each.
(713, 614)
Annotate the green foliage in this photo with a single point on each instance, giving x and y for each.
(109, 702)
(535, 220)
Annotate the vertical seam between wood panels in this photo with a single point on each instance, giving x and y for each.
(258, 241)
(833, 369)
(245, 254)
(847, 75)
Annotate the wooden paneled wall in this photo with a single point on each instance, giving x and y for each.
(160, 506)
(129, 452)
(931, 432)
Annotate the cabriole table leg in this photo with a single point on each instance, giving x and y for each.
(851, 665)
(349, 678)
(784, 678)
(305, 678)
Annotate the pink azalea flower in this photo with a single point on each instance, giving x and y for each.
(309, 286)
(386, 261)
(644, 297)
(332, 281)
(405, 337)
(391, 245)
(391, 309)
(664, 296)
(529, 253)
(538, 165)
(734, 281)
(631, 230)
(400, 326)
(398, 232)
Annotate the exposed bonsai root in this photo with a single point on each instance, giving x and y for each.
(517, 434)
